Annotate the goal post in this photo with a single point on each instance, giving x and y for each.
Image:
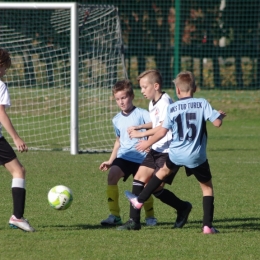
(63, 69)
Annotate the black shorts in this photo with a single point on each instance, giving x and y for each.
(156, 160)
(127, 167)
(7, 153)
(202, 172)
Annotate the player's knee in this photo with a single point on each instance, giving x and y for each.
(163, 172)
(19, 173)
(144, 176)
(114, 177)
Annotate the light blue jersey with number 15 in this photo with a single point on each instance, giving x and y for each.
(187, 119)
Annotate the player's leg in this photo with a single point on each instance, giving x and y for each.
(18, 186)
(164, 195)
(114, 175)
(19, 194)
(183, 207)
(203, 175)
(134, 223)
(169, 198)
(120, 169)
(208, 207)
(151, 186)
(9, 160)
(154, 183)
(142, 176)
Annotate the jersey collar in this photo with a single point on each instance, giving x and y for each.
(154, 102)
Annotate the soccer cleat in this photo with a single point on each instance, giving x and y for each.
(21, 223)
(133, 199)
(130, 225)
(111, 221)
(182, 216)
(151, 221)
(208, 230)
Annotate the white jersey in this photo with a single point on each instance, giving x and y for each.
(158, 112)
(4, 99)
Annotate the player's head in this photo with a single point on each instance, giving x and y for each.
(5, 61)
(124, 95)
(123, 85)
(185, 82)
(150, 82)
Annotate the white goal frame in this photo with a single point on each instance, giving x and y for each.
(74, 44)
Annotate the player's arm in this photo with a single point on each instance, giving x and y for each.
(7, 124)
(145, 144)
(138, 134)
(139, 127)
(218, 121)
(104, 166)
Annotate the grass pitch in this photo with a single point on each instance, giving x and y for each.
(233, 153)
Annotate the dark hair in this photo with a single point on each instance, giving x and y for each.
(154, 76)
(123, 85)
(5, 59)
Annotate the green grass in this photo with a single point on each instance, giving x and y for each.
(233, 153)
(46, 123)
(76, 233)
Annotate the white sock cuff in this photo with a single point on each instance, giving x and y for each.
(18, 183)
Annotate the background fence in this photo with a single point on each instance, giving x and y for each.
(216, 39)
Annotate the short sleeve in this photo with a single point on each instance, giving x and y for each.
(210, 113)
(4, 95)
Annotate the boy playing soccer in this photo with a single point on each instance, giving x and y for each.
(150, 82)
(125, 159)
(187, 119)
(7, 155)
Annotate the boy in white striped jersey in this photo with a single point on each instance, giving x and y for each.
(150, 82)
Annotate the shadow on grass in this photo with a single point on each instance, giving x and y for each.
(237, 224)
(231, 150)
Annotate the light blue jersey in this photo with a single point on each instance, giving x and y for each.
(187, 119)
(121, 122)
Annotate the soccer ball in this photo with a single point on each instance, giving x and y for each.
(60, 197)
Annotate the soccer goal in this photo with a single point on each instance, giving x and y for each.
(65, 59)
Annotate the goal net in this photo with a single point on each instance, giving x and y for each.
(39, 79)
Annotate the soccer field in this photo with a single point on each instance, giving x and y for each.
(233, 153)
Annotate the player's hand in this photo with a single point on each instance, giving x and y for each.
(130, 129)
(20, 145)
(104, 166)
(142, 146)
(135, 134)
(147, 150)
(222, 113)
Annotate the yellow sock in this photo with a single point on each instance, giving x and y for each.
(148, 207)
(112, 200)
